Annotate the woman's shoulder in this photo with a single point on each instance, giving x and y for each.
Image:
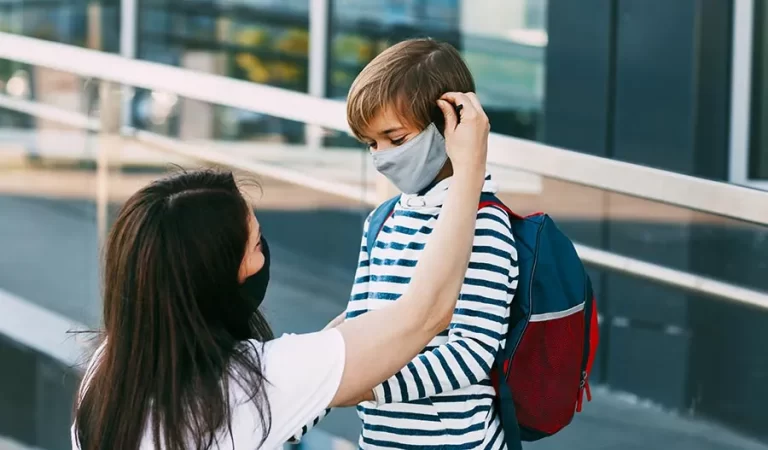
(303, 373)
(310, 346)
(310, 359)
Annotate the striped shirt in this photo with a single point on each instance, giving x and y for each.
(443, 398)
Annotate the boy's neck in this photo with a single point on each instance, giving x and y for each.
(445, 172)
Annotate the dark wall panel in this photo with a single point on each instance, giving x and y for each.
(648, 82)
(578, 76)
(655, 80)
(17, 391)
(713, 89)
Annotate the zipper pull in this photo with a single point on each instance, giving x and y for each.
(579, 400)
(583, 385)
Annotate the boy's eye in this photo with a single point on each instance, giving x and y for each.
(398, 141)
(372, 145)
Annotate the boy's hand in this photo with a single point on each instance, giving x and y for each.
(466, 140)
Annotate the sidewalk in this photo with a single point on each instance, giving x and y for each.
(609, 422)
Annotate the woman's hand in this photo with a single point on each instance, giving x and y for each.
(466, 140)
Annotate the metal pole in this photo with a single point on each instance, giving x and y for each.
(741, 87)
(111, 122)
(318, 63)
(128, 43)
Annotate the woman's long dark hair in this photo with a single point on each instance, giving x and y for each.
(176, 323)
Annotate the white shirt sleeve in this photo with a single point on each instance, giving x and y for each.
(303, 374)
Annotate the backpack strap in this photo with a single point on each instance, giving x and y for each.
(512, 432)
(506, 404)
(488, 199)
(378, 217)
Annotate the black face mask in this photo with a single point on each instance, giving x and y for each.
(255, 286)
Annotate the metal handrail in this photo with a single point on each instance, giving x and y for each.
(652, 184)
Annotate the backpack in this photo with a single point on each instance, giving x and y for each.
(542, 373)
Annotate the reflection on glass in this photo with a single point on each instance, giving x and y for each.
(502, 41)
(263, 41)
(704, 244)
(187, 119)
(74, 22)
(46, 86)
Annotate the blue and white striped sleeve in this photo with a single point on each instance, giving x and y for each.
(479, 323)
(360, 287)
(296, 438)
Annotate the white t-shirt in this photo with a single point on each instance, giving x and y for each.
(303, 373)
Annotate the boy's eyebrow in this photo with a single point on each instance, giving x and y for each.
(386, 132)
(390, 130)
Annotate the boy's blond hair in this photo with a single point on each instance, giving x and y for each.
(409, 76)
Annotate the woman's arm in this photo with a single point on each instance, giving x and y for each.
(378, 344)
(479, 323)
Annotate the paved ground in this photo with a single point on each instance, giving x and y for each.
(49, 256)
(612, 422)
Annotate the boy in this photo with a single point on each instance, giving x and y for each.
(443, 398)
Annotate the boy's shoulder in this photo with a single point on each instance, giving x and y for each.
(493, 217)
(386, 208)
(495, 210)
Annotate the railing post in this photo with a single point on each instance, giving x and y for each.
(741, 83)
(319, 16)
(94, 33)
(110, 116)
(128, 43)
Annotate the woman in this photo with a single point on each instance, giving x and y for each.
(187, 360)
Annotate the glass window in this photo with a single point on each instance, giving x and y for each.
(92, 24)
(263, 41)
(503, 42)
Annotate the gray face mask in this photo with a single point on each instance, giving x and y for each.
(415, 164)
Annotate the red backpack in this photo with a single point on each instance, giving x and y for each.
(542, 374)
